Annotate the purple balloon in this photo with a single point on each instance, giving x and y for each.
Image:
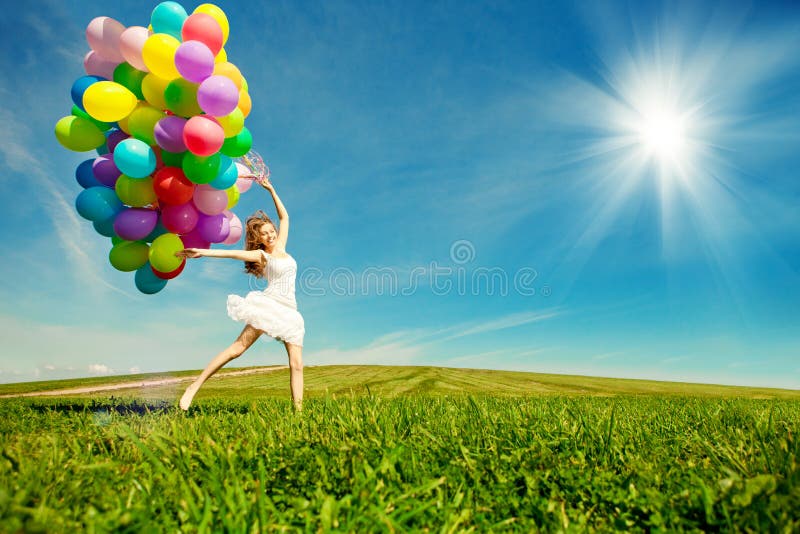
(179, 219)
(218, 96)
(214, 228)
(115, 138)
(105, 170)
(194, 240)
(194, 61)
(135, 223)
(169, 133)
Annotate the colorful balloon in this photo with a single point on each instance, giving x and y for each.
(96, 65)
(131, 43)
(103, 35)
(162, 252)
(238, 145)
(98, 203)
(78, 134)
(105, 171)
(153, 89)
(194, 61)
(233, 123)
(230, 71)
(158, 54)
(210, 201)
(128, 256)
(105, 228)
(227, 174)
(85, 176)
(204, 28)
(114, 138)
(102, 126)
(235, 228)
(137, 192)
(108, 101)
(181, 98)
(142, 123)
(179, 219)
(201, 170)
(170, 275)
(203, 136)
(217, 96)
(130, 78)
(172, 187)
(169, 133)
(79, 87)
(135, 158)
(245, 104)
(233, 196)
(146, 280)
(172, 159)
(194, 240)
(168, 18)
(219, 16)
(214, 228)
(133, 224)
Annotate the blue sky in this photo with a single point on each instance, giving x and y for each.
(406, 138)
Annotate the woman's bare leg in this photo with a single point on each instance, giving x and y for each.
(248, 336)
(295, 353)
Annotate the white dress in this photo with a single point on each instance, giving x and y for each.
(274, 310)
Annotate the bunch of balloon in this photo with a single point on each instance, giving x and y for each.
(165, 110)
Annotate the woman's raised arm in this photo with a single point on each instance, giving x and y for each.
(283, 215)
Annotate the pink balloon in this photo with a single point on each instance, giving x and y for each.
(103, 35)
(244, 184)
(194, 240)
(209, 200)
(131, 42)
(180, 219)
(96, 65)
(203, 135)
(236, 229)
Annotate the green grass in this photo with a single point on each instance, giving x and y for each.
(424, 449)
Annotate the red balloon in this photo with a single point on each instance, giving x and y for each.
(203, 136)
(204, 28)
(172, 186)
(170, 275)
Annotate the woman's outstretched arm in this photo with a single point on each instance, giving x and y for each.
(241, 255)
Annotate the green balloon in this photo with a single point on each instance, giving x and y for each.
(78, 112)
(238, 145)
(131, 78)
(142, 123)
(116, 240)
(128, 255)
(162, 253)
(199, 169)
(172, 159)
(136, 192)
(79, 134)
(181, 98)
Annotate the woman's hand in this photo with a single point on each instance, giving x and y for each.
(190, 253)
(265, 183)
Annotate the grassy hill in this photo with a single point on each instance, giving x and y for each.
(391, 381)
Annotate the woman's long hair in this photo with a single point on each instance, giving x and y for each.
(252, 241)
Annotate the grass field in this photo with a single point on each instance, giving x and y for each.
(403, 448)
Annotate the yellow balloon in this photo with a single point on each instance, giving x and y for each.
(153, 91)
(232, 124)
(108, 101)
(244, 84)
(159, 55)
(136, 192)
(79, 134)
(245, 104)
(219, 16)
(221, 57)
(233, 196)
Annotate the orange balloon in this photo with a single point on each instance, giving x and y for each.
(229, 70)
(245, 103)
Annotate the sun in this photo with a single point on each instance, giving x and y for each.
(662, 133)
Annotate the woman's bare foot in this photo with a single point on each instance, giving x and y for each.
(186, 400)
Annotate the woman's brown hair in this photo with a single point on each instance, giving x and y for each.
(252, 241)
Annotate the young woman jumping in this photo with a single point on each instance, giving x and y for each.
(273, 311)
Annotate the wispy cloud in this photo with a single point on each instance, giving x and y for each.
(100, 369)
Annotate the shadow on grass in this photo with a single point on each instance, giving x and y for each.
(107, 406)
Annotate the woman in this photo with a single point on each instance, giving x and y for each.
(272, 311)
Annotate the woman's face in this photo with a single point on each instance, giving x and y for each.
(268, 235)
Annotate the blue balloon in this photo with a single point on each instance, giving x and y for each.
(102, 149)
(168, 17)
(146, 280)
(98, 203)
(134, 158)
(80, 86)
(105, 227)
(228, 173)
(85, 176)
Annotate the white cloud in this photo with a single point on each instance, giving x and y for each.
(49, 367)
(100, 369)
(134, 370)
